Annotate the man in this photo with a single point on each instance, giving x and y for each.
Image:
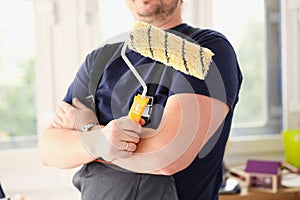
(178, 155)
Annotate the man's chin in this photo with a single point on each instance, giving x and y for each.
(147, 19)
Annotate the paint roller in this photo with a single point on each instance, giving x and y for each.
(167, 48)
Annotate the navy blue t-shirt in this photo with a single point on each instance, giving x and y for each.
(118, 86)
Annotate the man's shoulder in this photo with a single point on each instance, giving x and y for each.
(216, 41)
(206, 35)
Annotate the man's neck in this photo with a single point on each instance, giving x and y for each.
(167, 24)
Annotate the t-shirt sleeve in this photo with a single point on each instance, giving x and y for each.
(79, 87)
(223, 79)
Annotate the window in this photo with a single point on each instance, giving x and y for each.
(115, 25)
(17, 65)
(253, 28)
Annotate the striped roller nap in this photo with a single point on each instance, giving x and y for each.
(172, 50)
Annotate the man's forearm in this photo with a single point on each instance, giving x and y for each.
(62, 148)
(67, 148)
(158, 155)
(188, 123)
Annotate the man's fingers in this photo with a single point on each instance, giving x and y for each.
(78, 104)
(64, 107)
(55, 124)
(122, 129)
(130, 136)
(142, 122)
(129, 125)
(58, 118)
(125, 146)
(60, 111)
(128, 146)
(123, 154)
(121, 144)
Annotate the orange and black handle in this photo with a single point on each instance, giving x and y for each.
(138, 107)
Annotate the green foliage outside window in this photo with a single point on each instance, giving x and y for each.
(251, 53)
(17, 104)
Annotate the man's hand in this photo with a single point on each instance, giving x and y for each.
(73, 116)
(118, 139)
(123, 133)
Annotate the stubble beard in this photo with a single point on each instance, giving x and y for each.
(159, 11)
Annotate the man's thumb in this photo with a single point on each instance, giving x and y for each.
(77, 104)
